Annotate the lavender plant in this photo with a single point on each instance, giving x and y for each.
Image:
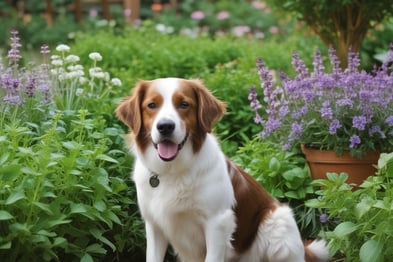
(342, 110)
(23, 85)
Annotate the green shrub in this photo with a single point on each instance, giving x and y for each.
(65, 192)
(362, 218)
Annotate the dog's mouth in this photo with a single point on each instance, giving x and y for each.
(168, 150)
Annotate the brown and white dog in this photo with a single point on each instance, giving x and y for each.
(190, 195)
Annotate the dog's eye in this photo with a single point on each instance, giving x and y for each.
(184, 104)
(152, 105)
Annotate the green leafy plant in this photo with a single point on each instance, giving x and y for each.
(362, 216)
(65, 191)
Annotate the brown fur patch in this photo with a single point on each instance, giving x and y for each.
(253, 205)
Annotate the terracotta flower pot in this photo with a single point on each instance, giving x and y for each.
(324, 161)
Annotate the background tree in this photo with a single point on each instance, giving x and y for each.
(340, 23)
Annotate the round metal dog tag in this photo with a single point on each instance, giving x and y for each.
(154, 181)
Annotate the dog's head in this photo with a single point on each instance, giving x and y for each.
(169, 112)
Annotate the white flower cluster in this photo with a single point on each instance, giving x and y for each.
(67, 68)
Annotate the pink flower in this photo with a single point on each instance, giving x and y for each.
(240, 30)
(222, 15)
(258, 5)
(93, 12)
(274, 30)
(198, 15)
(127, 12)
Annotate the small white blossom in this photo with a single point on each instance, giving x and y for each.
(79, 91)
(106, 76)
(83, 80)
(116, 82)
(57, 62)
(75, 68)
(72, 59)
(62, 77)
(55, 57)
(96, 72)
(57, 71)
(63, 48)
(78, 67)
(99, 75)
(95, 56)
(75, 74)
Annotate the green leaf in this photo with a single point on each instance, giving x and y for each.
(274, 164)
(86, 258)
(60, 220)
(100, 205)
(111, 131)
(59, 241)
(98, 234)
(107, 158)
(9, 172)
(291, 194)
(78, 208)
(363, 206)
(96, 248)
(26, 151)
(14, 197)
(4, 215)
(371, 251)
(314, 203)
(44, 207)
(71, 145)
(6, 245)
(4, 158)
(345, 228)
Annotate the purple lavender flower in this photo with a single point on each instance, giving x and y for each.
(252, 97)
(271, 125)
(353, 61)
(318, 64)
(296, 129)
(299, 66)
(334, 61)
(258, 119)
(12, 99)
(376, 130)
(11, 87)
(354, 141)
(45, 49)
(389, 121)
(324, 218)
(14, 53)
(345, 102)
(334, 125)
(31, 85)
(297, 114)
(326, 111)
(359, 122)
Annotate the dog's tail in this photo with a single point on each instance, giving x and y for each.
(316, 251)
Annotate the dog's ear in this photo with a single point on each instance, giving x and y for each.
(129, 110)
(210, 109)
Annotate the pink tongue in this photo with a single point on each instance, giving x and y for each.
(167, 150)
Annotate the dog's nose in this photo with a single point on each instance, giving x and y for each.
(165, 127)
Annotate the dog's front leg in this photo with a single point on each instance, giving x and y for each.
(218, 232)
(157, 244)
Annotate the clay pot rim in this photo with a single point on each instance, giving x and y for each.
(324, 156)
